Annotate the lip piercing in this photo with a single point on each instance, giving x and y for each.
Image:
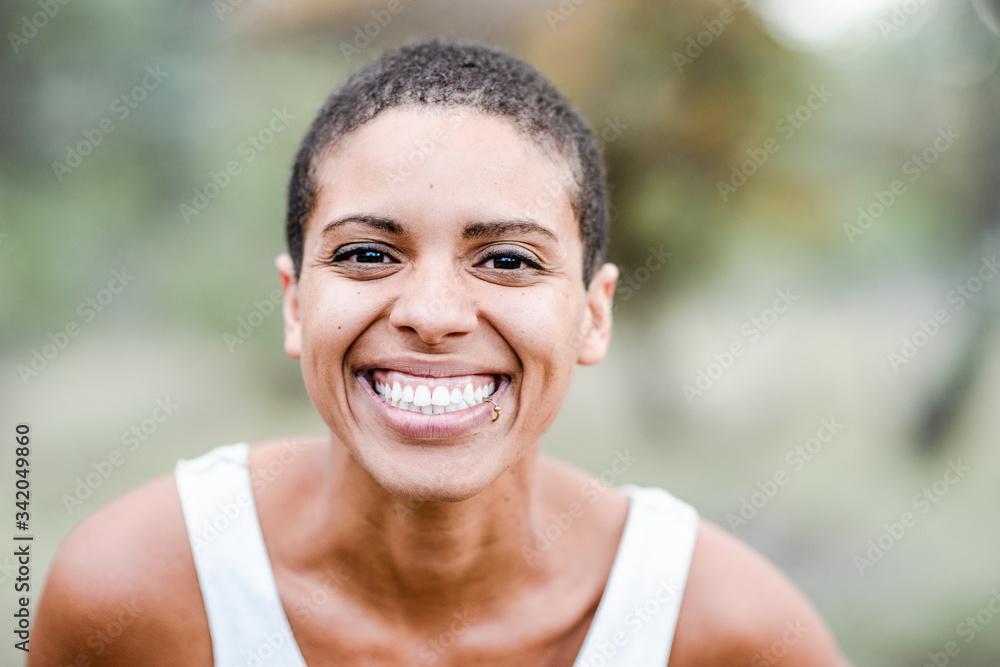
(496, 409)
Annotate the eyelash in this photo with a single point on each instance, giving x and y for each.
(351, 252)
(527, 259)
(341, 255)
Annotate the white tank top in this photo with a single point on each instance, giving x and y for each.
(633, 626)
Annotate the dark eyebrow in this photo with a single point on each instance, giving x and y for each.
(495, 228)
(474, 230)
(382, 224)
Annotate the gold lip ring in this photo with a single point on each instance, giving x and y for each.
(496, 409)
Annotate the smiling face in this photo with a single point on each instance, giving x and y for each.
(442, 259)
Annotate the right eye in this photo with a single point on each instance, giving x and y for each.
(363, 255)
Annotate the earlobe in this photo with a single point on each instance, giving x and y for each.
(596, 332)
(290, 308)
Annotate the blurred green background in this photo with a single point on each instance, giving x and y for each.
(845, 155)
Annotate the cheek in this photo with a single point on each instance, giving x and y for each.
(332, 318)
(545, 340)
(547, 337)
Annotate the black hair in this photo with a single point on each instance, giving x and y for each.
(458, 74)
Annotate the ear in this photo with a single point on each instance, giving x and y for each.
(596, 332)
(290, 309)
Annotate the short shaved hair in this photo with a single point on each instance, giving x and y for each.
(451, 74)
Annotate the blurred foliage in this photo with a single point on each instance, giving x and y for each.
(679, 128)
(686, 124)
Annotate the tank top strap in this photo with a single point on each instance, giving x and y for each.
(245, 616)
(636, 618)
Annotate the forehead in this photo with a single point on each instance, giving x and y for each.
(425, 164)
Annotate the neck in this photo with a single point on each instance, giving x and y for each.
(434, 555)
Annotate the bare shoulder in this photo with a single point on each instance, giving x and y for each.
(122, 589)
(739, 609)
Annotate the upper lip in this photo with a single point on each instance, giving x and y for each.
(437, 369)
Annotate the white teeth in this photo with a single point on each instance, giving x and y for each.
(422, 396)
(440, 397)
(423, 399)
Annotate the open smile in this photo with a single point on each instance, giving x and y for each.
(432, 407)
(432, 395)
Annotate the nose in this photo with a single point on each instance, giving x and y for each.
(432, 304)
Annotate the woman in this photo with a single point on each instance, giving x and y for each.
(447, 224)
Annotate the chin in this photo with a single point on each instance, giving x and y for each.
(415, 490)
(447, 481)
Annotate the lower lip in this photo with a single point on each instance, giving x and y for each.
(432, 427)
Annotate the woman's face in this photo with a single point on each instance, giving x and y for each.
(443, 257)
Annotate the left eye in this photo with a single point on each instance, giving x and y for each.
(364, 256)
(508, 261)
